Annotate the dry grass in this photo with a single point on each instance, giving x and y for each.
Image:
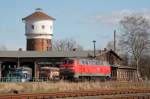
(37, 87)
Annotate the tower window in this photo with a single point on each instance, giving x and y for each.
(47, 41)
(43, 26)
(47, 48)
(50, 27)
(32, 26)
(26, 27)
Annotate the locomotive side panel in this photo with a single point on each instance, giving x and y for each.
(93, 70)
(80, 68)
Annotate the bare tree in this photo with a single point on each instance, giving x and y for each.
(66, 45)
(135, 37)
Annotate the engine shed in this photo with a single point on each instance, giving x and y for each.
(37, 59)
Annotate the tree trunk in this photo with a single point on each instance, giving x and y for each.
(138, 71)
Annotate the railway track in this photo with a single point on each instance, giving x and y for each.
(114, 92)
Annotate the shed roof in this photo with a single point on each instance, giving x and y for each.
(126, 67)
(33, 54)
(102, 52)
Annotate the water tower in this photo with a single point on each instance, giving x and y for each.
(38, 31)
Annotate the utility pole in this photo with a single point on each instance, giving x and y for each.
(114, 40)
(94, 47)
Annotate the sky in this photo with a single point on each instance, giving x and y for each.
(81, 20)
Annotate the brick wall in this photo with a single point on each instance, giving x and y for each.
(39, 44)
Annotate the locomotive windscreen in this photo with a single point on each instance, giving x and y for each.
(68, 61)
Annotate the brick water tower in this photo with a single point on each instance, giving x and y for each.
(38, 31)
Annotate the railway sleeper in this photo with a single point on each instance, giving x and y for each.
(73, 95)
(83, 94)
(96, 93)
(91, 94)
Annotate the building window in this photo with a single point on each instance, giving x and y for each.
(43, 26)
(32, 26)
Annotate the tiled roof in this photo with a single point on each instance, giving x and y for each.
(38, 15)
(102, 52)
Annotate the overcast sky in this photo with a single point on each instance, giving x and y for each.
(82, 20)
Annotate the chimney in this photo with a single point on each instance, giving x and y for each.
(105, 49)
(100, 51)
(114, 40)
(20, 49)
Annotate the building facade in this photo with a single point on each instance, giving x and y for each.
(119, 71)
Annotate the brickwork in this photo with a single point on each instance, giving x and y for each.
(39, 44)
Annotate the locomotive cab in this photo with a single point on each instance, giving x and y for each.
(68, 64)
(67, 68)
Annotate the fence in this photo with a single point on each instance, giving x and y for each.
(46, 79)
(19, 79)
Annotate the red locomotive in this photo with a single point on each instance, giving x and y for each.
(80, 68)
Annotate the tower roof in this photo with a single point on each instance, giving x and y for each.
(38, 15)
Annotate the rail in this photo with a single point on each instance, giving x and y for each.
(82, 94)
